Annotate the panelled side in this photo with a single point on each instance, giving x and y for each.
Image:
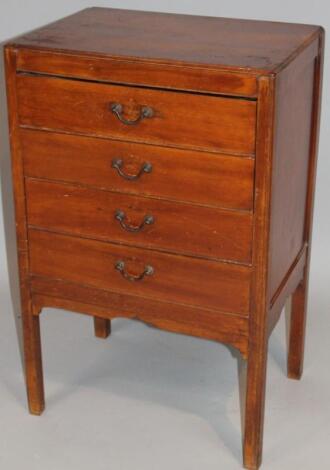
(293, 122)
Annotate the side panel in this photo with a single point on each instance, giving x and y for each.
(293, 121)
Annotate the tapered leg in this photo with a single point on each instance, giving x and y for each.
(102, 327)
(33, 364)
(297, 331)
(242, 376)
(254, 408)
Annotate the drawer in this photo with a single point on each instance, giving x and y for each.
(172, 278)
(140, 221)
(171, 173)
(161, 117)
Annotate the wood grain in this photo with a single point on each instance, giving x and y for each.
(200, 122)
(201, 322)
(260, 299)
(182, 175)
(178, 228)
(288, 286)
(31, 328)
(300, 296)
(133, 72)
(232, 145)
(213, 285)
(294, 101)
(257, 46)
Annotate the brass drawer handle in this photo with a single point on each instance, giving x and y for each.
(120, 266)
(145, 112)
(121, 216)
(117, 163)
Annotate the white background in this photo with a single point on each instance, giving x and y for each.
(146, 399)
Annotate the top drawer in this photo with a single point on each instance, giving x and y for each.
(138, 114)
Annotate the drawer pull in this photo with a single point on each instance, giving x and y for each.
(145, 112)
(117, 163)
(121, 216)
(120, 266)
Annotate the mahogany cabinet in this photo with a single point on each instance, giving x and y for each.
(164, 170)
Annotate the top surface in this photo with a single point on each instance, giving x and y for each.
(166, 38)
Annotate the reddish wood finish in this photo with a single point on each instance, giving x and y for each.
(227, 328)
(240, 45)
(200, 122)
(299, 298)
(233, 147)
(258, 333)
(219, 286)
(31, 327)
(297, 330)
(287, 288)
(102, 327)
(179, 77)
(181, 175)
(294, 102)
(177, 227)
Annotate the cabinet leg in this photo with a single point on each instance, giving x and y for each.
(242, 381)
(297, 331)
(102, 327)
(33, 364)
(254, 408)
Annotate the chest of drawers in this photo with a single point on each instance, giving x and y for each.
(163, 170)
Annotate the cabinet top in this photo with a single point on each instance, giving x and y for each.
(259, 46)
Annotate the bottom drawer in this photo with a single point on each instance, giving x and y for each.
(145, 273)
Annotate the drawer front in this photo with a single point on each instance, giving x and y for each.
(172, 278)
(170, 173)
(161, 117)
(140, 221)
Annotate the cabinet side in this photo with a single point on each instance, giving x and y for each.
(293, 141)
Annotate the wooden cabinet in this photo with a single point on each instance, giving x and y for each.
(164, 169)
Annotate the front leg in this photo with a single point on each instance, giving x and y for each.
(254, 410)
(33, 362)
